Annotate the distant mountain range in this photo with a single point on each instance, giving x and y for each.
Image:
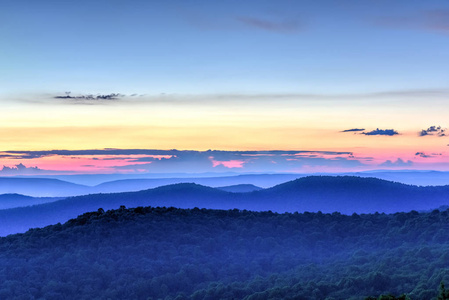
(41, 187)
(415, 177)
(240, 188)
(49, 187)
(17, 200)
(75, 185)
(344, 194)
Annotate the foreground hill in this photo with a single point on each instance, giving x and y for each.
(169, 253)
(180, 195)
(344, 194)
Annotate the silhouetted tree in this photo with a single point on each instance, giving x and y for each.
(444, 294)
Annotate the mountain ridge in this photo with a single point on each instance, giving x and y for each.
(345, 194)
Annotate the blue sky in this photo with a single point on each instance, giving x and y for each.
(198, 47)
(226, 75)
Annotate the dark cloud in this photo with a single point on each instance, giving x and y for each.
(431, 20)
(90, 97)
(423, 133)
(424, 155)
(436, 96)
(354, 130)
(389, 132)
(216, 153)
(433, 130)
(283, 26)
(398, 163)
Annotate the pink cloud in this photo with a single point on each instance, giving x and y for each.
(83, 163)
(229, 163)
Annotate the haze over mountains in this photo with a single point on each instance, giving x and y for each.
(343, 194)
(17, 200)
(40, 187)
(75, 185)
(49, 187)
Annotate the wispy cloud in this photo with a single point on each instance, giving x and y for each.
(422, 154)
(436, 20)
(354, 130)
(88, 97)
(282, 26)
(425, 155)
(414, 96)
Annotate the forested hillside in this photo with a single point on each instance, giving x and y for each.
(328, 194)
(169, 253)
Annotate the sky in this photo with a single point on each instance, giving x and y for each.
(215, 86)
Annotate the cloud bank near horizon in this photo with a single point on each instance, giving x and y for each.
(141, 161)
(187, 161)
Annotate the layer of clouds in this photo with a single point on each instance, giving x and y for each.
(172, 161)
(173, 152)
(223, 162)
(89, 97)
(412, 96)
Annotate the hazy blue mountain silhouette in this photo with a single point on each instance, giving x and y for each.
(240, 188)
(349, 194)
(261, 180)
(41, 187)
(17, 200)
(48, 187)
(415, 177)
(345, 194)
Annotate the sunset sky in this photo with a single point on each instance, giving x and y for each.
(334, 86)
